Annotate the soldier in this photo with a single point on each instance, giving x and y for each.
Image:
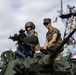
(53, 38)
(30, 42)
(30, 33)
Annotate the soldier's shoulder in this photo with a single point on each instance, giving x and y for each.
(55, 29)
(35, 31)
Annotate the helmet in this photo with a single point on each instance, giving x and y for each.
(30, 24)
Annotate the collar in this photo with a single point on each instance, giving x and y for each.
(51, 29)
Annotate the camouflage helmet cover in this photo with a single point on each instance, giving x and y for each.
(28, 24)
(47, 20)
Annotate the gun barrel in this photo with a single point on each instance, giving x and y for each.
(52, 56)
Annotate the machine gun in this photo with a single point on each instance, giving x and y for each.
(18, 37)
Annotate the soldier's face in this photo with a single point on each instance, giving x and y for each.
(48, 25)
(29, 28)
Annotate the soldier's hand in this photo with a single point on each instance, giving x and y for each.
(44, 47)
(26, 34)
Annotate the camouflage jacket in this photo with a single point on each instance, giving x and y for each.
(54, 32)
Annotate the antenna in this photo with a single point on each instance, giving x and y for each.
(61, 7)
(69, 20)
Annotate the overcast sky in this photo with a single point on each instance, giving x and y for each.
(15, 13)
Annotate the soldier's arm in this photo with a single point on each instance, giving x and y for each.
(26, 34)
(53, 38)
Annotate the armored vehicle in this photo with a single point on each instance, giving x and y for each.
(39, 64)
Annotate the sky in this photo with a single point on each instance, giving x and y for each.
(15, 13)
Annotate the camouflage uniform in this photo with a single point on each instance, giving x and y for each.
(51, 43)
(49, 35)
(52, 47)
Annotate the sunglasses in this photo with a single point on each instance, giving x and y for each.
(45, 23)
